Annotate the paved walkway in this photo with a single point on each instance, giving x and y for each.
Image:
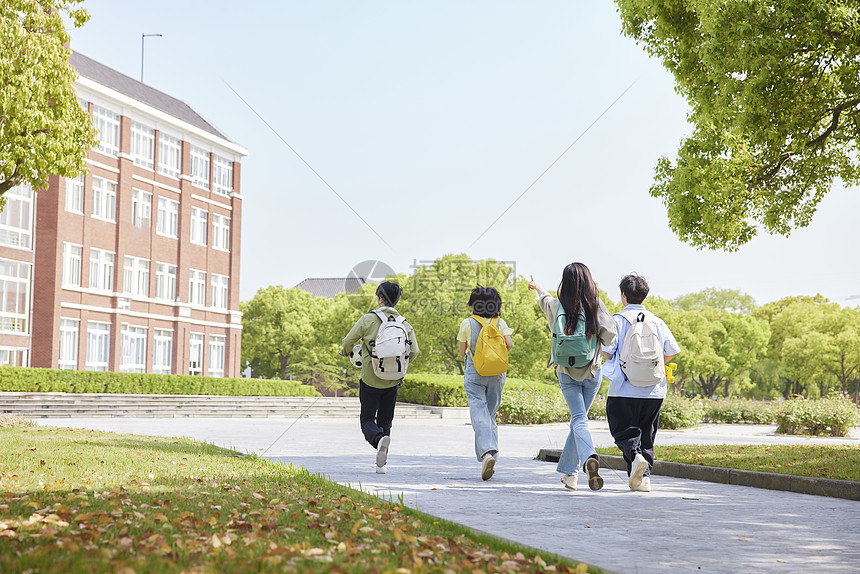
(681, 526)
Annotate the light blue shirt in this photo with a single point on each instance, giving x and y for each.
(619, 386)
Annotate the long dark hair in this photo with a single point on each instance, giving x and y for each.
(578, 291)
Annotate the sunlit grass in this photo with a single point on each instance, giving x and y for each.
(820, 461)
(88, 501)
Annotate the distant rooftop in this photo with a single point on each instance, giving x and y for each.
(97, 72)
(331, 286)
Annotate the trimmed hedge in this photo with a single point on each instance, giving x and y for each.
(830, 416)
(523, 402)
(27, 379)
(740, 411)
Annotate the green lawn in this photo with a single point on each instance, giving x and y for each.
(87, 501)
(821, 461)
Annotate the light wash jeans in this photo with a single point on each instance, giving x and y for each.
(484, 395)
(578, 446)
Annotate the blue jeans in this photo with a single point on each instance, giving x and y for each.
(578, 446)
(484, 395)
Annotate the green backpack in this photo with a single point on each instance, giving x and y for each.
(575, 350)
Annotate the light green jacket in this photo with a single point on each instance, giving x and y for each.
(365, 331)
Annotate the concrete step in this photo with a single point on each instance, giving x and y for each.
(87, 405)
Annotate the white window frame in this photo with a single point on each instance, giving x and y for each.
(217, 348)
(168, 218)
(166, 275)
(223, 176)
(195, 347)
(196, 287)
(98, 346)
(133, 349)
(102, 266)
(107, 123)
(69, 334)
(142, 145)
(199, 220)
(14, 296)
(220, 290)
(14, 357)
(135, 276)
(75, 195)
(162, 351)
(104, 199)
(16, 218)
(169, 155)
(72, 257)
(221, 232)
(199, 167)
(141, 207)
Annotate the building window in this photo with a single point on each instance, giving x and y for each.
(196, 287)
(142, 145)
(104, 199)
(220, 232)
(75, 194)
(98, 346)
(135, 276)
(216, 356)
(101, 269)
(162, 354)
(168, 218)
(69, 344)
(107, 124)
(13, 357)
(199, 219)
(133, 358)
(199, 167)
(220, 287)
(169, 155)
(141, 207)
(195, 354)
(223, 176)
(14, 296)
(16, 218)
(165, 281)
(72, 264)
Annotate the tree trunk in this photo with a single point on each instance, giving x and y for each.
(284, 360)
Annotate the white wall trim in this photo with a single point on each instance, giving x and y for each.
(139, 315)
(156, 184)
(212, 201)
(160, 115)
(102, 166)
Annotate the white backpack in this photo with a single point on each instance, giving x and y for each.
(641, 357)
(390, 351)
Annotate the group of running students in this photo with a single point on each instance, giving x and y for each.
(630, 348)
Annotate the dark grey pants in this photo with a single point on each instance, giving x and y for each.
(377, 411)
(633, 424)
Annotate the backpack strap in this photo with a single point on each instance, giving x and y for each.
(481, 321)
(635, 316)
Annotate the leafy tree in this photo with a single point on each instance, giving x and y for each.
(43, 129)
(774, 91)
(279, 330)
(726, 299)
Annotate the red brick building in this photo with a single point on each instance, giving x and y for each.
(133, 267)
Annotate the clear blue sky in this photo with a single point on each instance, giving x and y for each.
(430, 119)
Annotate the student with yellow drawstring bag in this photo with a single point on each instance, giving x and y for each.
(485, 340)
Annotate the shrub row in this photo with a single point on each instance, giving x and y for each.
(831, 416)
(26, 379)
(523, 402)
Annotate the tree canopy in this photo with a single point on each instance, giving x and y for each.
(774, 90)
(43, 129)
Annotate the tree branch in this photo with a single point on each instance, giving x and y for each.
(834, 123)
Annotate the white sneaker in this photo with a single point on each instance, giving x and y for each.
(570, 481)
(646, 484)
(488, 467)
(637, 471)
(381, 469)
(382, 451)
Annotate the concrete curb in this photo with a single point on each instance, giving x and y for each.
(847, 489)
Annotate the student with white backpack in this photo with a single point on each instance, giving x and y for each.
(637, 380)
(485, 340)
(579, 322)
(388, 345)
